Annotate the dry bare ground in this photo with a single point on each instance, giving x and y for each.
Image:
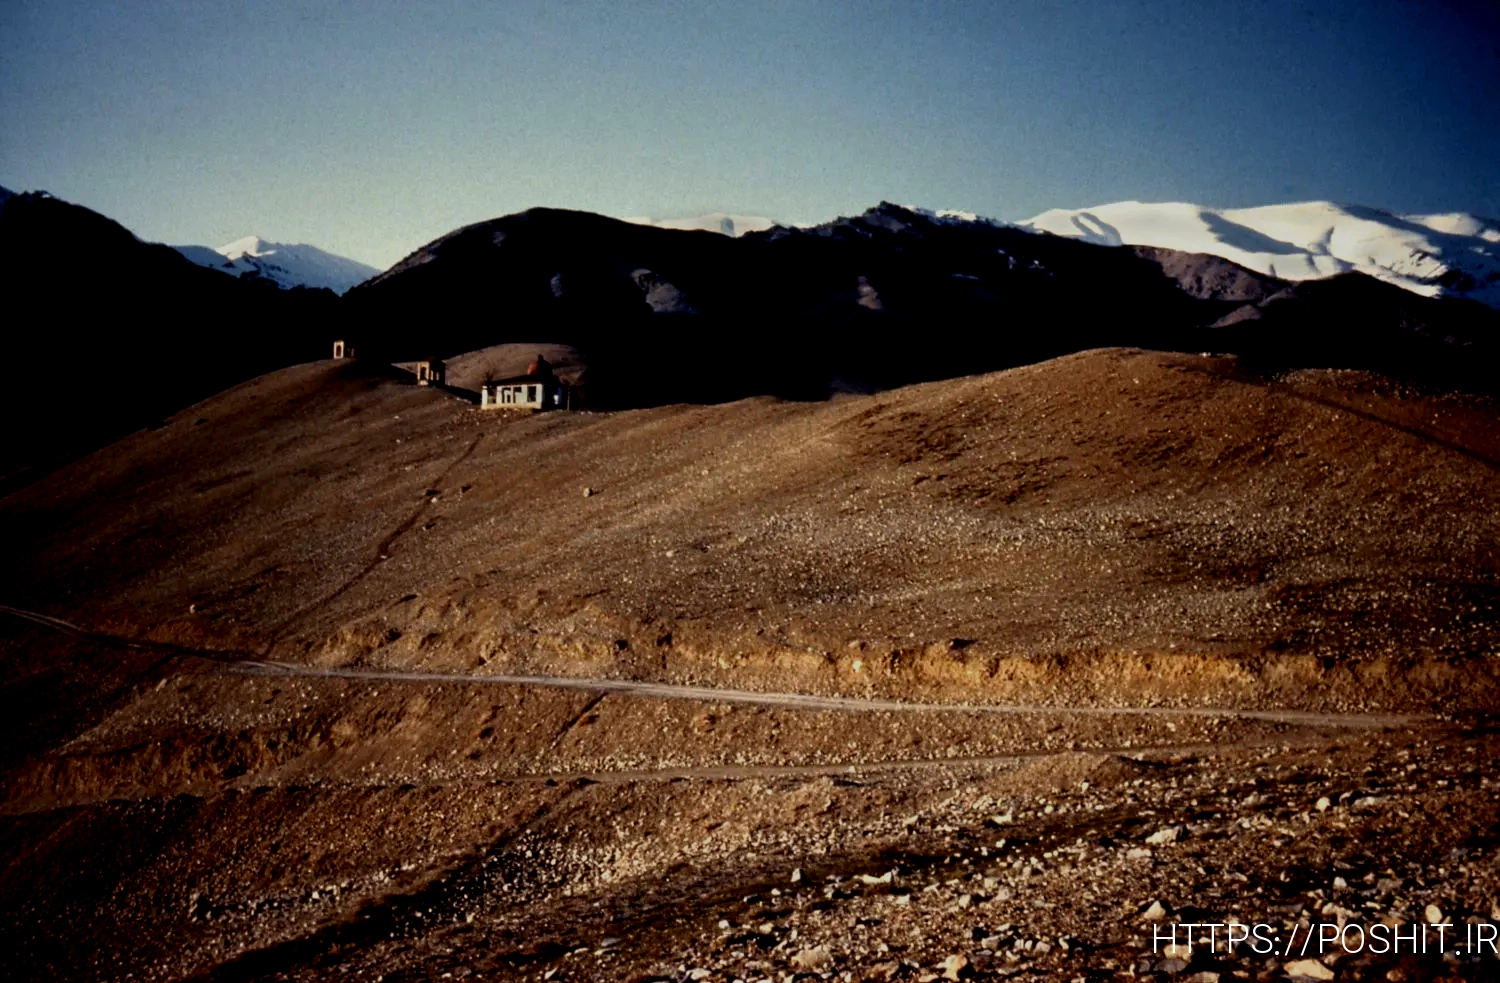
(281, 725)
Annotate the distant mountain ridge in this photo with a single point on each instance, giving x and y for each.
(891, 296)
(1443, 255)
(1450, 254)
(287, 264)
(727, 223)
(888, 297)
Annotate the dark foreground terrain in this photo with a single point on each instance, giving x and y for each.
(999, 677)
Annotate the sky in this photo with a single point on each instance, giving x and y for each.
(372, 127)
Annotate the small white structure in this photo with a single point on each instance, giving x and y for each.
(343, 349)
(431, 372)
(538, 389)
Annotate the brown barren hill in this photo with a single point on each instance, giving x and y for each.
(974, 667)
(1115, 526)
(470, 370)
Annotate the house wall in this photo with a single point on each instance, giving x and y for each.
(518, 397)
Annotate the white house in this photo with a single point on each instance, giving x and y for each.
(538, 389)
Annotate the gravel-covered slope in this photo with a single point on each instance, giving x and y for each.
(1156, 538)
(1141, 515)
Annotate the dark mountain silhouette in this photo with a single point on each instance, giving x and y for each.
(109, 333)
(1356, 321)
(886, 298)
(889, 297)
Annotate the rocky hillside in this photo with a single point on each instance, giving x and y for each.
(1106, 508)
(335, 676)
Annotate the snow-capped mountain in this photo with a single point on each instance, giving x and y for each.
(1451, 255)
(728, 223)
(288, 264)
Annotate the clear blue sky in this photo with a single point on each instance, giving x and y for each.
(372, 127)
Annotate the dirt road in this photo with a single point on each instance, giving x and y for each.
(230, 662)
(807, 701)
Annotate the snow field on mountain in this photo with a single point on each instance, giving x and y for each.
(288, 264)
(1452, 254)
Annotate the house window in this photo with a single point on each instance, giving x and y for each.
(531, 394)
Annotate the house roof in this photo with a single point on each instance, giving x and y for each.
(517, 380)
(539, 372)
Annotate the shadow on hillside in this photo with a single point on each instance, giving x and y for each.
(1247, 239)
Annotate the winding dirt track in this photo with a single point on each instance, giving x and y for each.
(236, 663)
(805, 701)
